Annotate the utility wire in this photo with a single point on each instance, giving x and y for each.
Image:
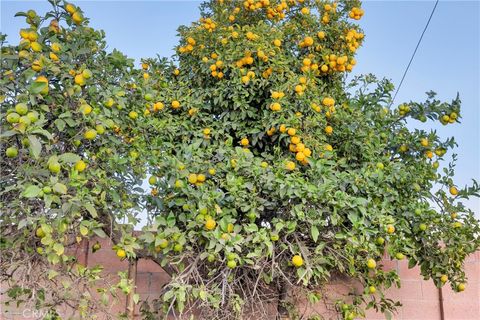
(415, 51)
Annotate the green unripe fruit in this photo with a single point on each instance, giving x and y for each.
(274, 237)
(11, 152)
(40, 233)
(231, 264)
(231, 256)
(13, 117)
(152, 180)
(380, 241)
(100, 129)
(211, 258)
(21, 108)
(148, 97)
(33, 116)
(134, 154)
(418, 211)
(54, 167)
(400, 256)
(163, 243)
(47, 190)
(380, 166)
(87, 74)
(25, 120)
(178, 247)
(90, 134)
(423, 227)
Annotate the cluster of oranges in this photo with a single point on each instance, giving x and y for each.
(356, 13)
(189, 47)
(278, 12)
(246, 60)
(208, 24)
(329, 9)
(449, 118)
(196, 179)
(216, 69)
(353, 39)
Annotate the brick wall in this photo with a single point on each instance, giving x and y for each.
(420, 298)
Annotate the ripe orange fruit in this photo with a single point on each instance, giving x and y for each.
(300, 156)
(291, 131)
(290, 165)
(244, 142)
(175, 104)
(297, 261)
(201, 178)
(295, 140)
(192, 178)
(328, 130)
(453, 191)
(121, 254)
(210, 224)
(390, 229)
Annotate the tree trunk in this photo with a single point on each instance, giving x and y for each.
(132, 275)
(282, 312)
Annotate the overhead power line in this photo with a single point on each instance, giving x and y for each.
(415, 51)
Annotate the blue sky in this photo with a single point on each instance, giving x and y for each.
(447, 62)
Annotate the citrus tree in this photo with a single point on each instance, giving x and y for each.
(269, 172)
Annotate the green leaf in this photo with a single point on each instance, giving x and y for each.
(8, 133)
(99, 232)
(315, 233)
(91, 209)
(52, 274)
(83, 230)
(60, 124)
(35, 146)
(60, 188)
(69, 157)
(31, 191)
(37, 87)
(136, 298)
(59, 248)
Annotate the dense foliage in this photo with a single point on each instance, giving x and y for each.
(268, 170)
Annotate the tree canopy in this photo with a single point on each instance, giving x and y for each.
(269, 168)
